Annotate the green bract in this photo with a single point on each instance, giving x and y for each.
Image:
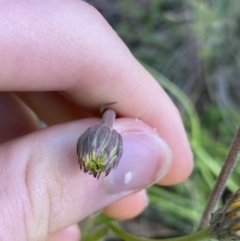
(225, 221)
(99, 150)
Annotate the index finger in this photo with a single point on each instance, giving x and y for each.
(68, 46)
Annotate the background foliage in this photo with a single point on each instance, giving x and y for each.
(192, 49)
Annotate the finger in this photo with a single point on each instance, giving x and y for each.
(80, 54)
(41, 182)
(14, 110)
(16, 119)
(52, 107)
(128, 207)
(125, 208)
(71, 233)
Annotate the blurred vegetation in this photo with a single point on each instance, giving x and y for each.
(191, 48)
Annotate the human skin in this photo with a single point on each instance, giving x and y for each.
(63, 60)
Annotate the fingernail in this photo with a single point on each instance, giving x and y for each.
(146, 159)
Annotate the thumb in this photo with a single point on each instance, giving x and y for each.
(42, 189)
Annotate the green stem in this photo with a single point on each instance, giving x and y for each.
(203, 235)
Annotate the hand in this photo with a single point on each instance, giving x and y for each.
(64, 61)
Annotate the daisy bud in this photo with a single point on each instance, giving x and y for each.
(100, 147)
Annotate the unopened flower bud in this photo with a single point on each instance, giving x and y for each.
(99, 150)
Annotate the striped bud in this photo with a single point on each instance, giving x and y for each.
(99, 150)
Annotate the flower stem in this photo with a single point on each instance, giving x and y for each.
(108, 115)
(203, 235)
(219, 186)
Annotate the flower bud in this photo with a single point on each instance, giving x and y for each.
(99, 150)
(225, 222)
